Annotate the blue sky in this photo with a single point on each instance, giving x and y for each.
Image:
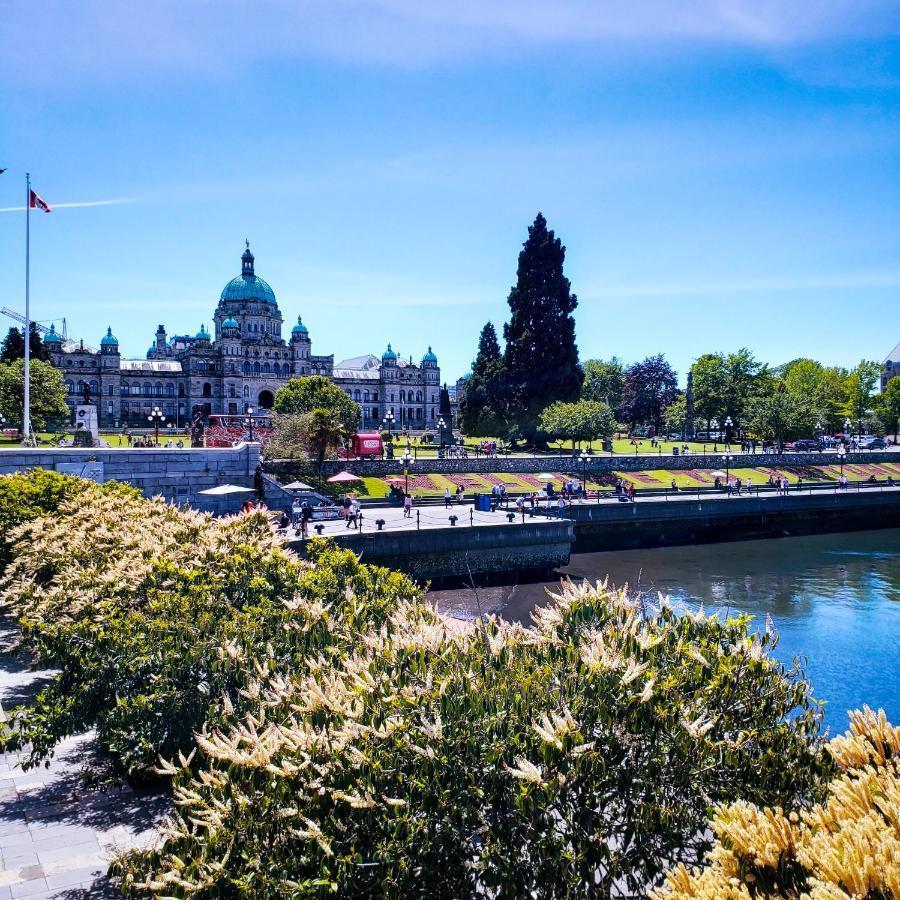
(722, 173)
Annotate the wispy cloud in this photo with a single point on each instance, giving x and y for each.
(217, 38)
(77, 205)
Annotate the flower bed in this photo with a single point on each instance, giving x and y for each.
(702, 477)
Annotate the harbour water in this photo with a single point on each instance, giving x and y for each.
(834, 599)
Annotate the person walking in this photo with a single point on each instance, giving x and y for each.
(447, 498)
(407, 506)
(561, 507)
(459, 494)
(305, 516)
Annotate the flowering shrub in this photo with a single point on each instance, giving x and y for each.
(151, 612)
(39, 492)
(848, 846)
(561, 760)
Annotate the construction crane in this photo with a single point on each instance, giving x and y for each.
(40, 326)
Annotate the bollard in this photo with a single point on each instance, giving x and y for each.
(319, 528)
(379, 524)
(418, 526)
(510, 516)
(471, 517)
(453, 520)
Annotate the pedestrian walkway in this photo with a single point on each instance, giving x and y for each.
(57, 835)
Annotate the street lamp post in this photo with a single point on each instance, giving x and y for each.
(249, 422)
(728, 424)
(842, 452)
(584, 461)
(441, 424)
(848, 428)
(727, 474)
(407, 459)
(389, 421)
(155, 418)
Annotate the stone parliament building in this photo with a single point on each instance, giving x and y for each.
(241, 365)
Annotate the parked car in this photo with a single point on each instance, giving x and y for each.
(805, 445)
(872, 443)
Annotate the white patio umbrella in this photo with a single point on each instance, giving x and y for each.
(718, 474)
(221, 489)
(298, 486)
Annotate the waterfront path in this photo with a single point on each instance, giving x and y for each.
(57, 836)
(431, 515)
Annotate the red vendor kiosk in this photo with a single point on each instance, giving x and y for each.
(363, 444)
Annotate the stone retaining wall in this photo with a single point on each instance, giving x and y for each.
(176, 475)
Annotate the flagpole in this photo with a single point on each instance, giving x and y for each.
(26, 413)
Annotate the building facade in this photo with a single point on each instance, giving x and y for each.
(890, 367)
(240, 365)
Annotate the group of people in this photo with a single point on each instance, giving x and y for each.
(448, 497)
(254, 506)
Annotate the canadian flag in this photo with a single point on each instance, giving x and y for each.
(38, 202)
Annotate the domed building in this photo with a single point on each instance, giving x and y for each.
(240, 363)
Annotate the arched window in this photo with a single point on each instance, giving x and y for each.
(266, 368)
(356, 394)
(148, 389)
(366, 396)
(256, 368)
(246, 391)
(123, 389)
(207, 389)
(418, 396)
(180, 390)
(276, 369)
(70, 386)
(94, 388)
(135, 390)
(246, 368)
(170, 389)
(157, 389)
(402, 396)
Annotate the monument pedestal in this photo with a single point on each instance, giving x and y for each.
(87, 433)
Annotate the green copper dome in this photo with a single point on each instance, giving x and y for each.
(248, 285)
(202, 334)
(51, 337)
(108, 339)
(429, 356)
(299, 328)
(389, 354)
(230, 323)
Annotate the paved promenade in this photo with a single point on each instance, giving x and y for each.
(56, 835)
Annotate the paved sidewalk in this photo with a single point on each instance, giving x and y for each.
(56, 835)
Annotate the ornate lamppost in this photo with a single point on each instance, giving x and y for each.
(441, 424)
(727, 474)
(584, 461)
(407, 459)
(249, 421)
(389, 421)
(842, 452)
(848, 428)
(728, 424)
(155, 418)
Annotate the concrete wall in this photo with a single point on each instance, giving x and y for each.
(177, 475)
(611, 525)
(435, 553)
(596, 464)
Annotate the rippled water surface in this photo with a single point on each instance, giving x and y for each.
(834, 599)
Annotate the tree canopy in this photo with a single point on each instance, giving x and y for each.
(603, 381)
(541, 357)
(303, 395)
(48, 392)
(482, 407)
(13, 346)
(650, 386)
(584, 420)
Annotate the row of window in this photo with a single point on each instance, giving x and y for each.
(405, 396)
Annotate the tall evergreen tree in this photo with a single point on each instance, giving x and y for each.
(482, 406)
(541, 355)
(13, 346)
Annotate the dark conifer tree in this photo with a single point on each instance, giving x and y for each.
(13, 346)
(541, 359)
(482, 404)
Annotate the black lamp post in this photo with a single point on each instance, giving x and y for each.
(249, 421)
(441, 424)
(155, 418)
(728, 424)
(584, 461)
(727, 471)
(389, 421)
(407, 459)
(842, 452)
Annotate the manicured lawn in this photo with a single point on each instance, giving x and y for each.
(112, 439)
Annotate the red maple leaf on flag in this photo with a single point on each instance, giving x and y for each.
(38, 202)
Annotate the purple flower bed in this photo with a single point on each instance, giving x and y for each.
(702, 477)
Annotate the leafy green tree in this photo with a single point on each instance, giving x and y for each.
(323, 430)
(13, 346)
(779, 415)
(725, 384)
(584, 420)
(859, 387)
(603, 381)
(541, 355)
(889, 407)
(303, 395)
(675, 415)
(710, 389)
(48, 392)
(482, 407)
(650, 386)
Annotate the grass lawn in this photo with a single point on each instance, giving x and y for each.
(112, 439)
(434, 485)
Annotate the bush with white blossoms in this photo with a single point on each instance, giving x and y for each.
(579, 757)
(848, 846)
(159, 619)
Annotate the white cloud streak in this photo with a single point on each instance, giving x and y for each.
(78, 205)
